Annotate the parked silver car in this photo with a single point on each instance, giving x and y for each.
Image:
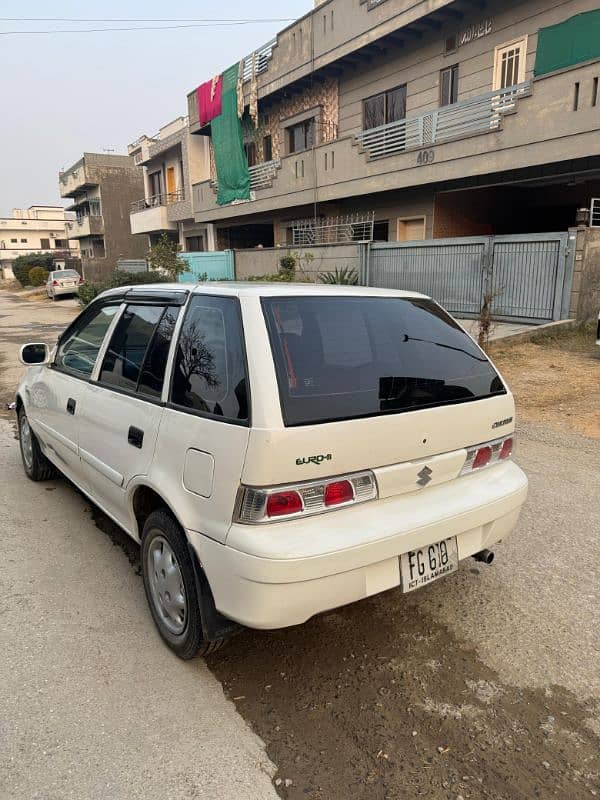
(63, 281)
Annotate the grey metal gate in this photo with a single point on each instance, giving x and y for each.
(529, 276)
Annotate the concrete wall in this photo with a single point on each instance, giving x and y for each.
(585, 298)
(310, 260)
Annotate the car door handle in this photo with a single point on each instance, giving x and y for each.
(135, 437)
(71, 405)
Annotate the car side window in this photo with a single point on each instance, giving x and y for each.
(126, 351)
(155, 363)
(78, 350)
(209, 373)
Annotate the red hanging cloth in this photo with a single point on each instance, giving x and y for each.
(209, 96)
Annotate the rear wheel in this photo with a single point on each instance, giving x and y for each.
(36, 465)
(170, 586)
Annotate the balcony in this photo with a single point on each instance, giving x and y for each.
(73, 180)
(480, 114)
(85, 226)
(150, 213)
(261, 176)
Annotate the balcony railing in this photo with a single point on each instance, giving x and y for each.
(478, 115)
(157, 200)
(260, 58)
(261, 175)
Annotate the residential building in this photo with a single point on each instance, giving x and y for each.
(441, 118)
(102, 187)
(172, 161)
(37, 229)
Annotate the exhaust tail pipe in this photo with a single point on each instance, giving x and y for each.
(485, 556)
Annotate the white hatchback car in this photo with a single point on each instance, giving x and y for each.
(278, 450)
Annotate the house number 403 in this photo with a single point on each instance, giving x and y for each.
(425, 157)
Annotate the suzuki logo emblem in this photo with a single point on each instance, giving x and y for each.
(424, 476)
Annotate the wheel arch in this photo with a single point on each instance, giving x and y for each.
(143, 500)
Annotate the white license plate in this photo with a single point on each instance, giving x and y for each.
(65, 284)
(427, 564)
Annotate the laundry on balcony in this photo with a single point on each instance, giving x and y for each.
(228, 144)
(209, 96)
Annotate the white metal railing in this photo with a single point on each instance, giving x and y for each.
(259, 58)
(459, 120)
(157, 200)
(595, 213)
(261, 175)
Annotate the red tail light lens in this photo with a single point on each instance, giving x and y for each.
(54, 283)
(338, 492)
(282, 504)
(506, 450)
(483, 457)
(262, 505)
(81, 280)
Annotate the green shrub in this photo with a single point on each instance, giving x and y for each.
(287, 267)
(278, 277)
(346, 276)
(23, 265)
(88, 291)
(37, 276)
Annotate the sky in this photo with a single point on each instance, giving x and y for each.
(63, 94)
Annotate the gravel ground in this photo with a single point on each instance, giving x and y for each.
(484, 685)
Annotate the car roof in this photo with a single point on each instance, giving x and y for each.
(260, 289)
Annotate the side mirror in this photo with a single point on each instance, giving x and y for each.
(32, 354)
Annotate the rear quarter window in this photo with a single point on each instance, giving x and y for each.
(209, 372)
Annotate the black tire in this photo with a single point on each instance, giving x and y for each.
(39, 468)
(190, 642)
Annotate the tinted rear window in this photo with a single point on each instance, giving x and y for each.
(345, 357)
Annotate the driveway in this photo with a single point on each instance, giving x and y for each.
(485, 685)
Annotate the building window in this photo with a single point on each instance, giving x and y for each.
(449, 85)
(23, 241)
(385, 107)
(61, 244)
(250, 149)
(381, 231)
(155, 181)
(268, 148)
(45, 244)
(411, 229)
(509, 64)
(14, 241)
(95, 209)
(194, 244)
(301, 136)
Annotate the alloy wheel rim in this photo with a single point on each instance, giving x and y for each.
(26, 443)
(166, 585)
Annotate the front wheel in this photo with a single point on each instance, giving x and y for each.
(170, 586)
(36, 465)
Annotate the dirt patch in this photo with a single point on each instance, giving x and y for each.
(377, 701)
(556, 379)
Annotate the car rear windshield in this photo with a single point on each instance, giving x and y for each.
(345, 357)
(66, 273)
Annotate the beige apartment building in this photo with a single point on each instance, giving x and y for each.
(439, 118)
(171, 162)
(102, 187)
(37, 229)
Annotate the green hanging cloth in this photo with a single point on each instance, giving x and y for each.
(230, 158)
(572, 41)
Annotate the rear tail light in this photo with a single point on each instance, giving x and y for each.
(54, 283)
(488, 453)
(256, 506)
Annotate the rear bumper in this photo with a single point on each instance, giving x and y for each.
(58, 290)
(266, 590)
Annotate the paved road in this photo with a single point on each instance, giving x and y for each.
(93, 705)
